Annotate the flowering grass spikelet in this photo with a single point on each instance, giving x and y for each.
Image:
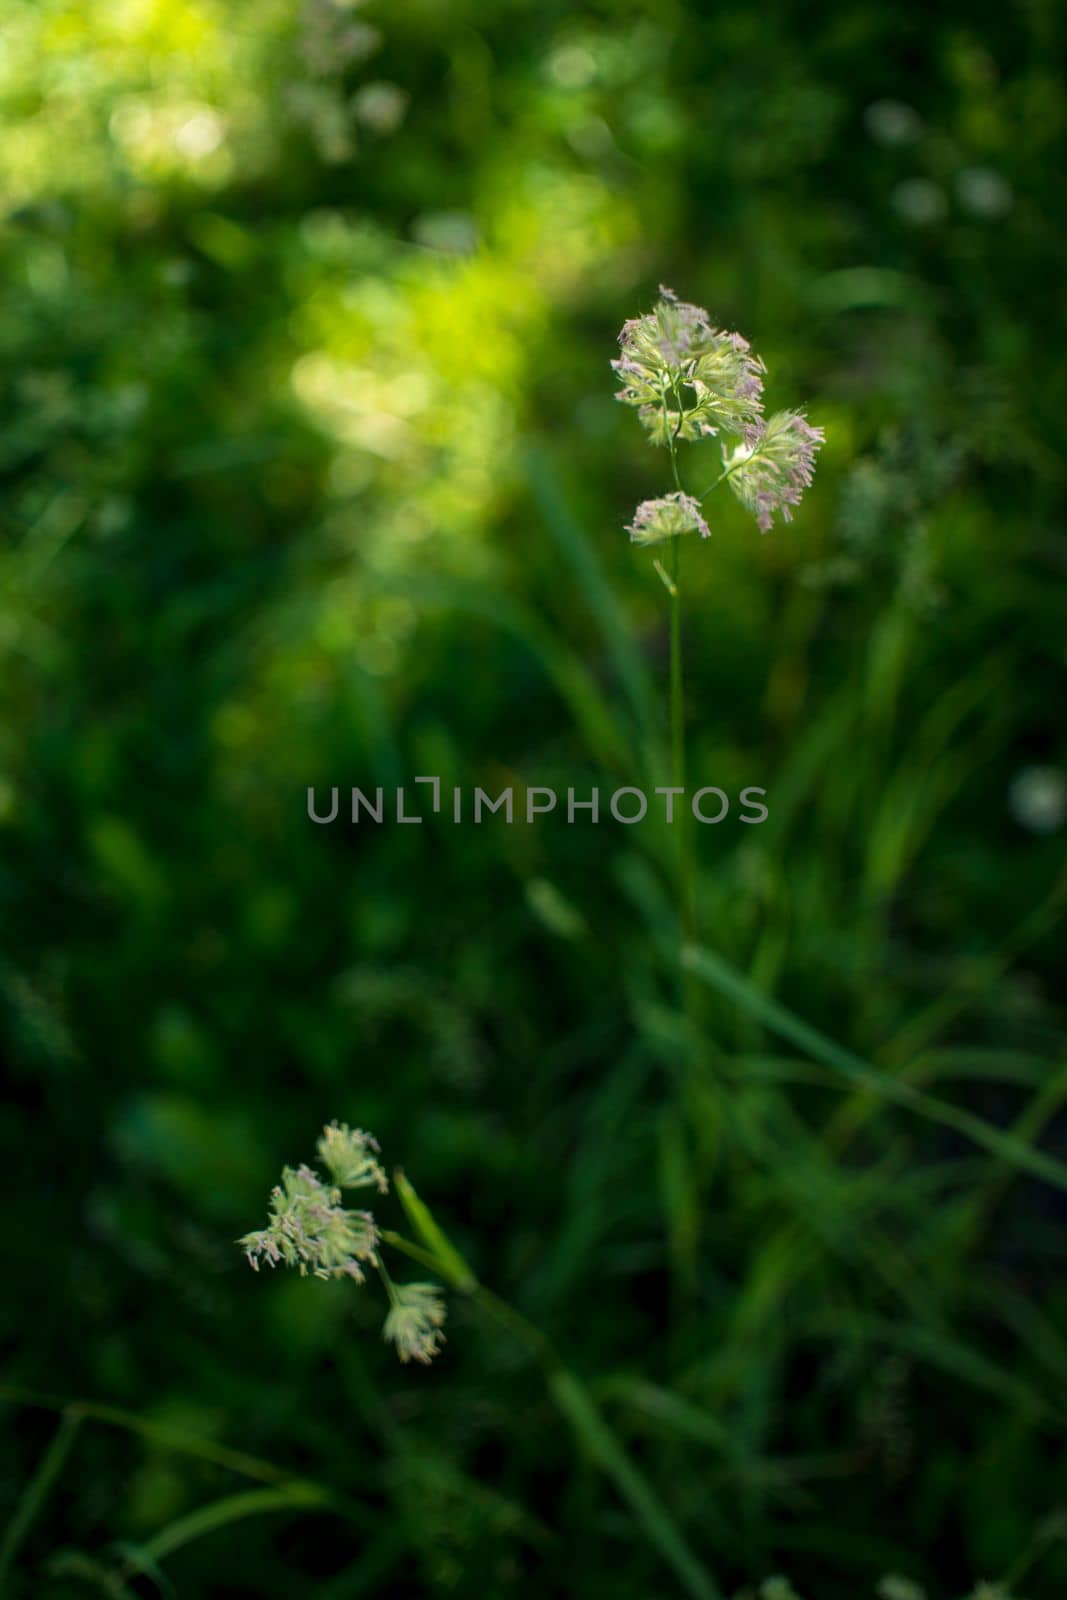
(670, 515)
(687, 378)
(770, 472)
(309, 1229)
(416, 1317)
(349, 1155)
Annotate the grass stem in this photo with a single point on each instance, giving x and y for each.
(37, 1490)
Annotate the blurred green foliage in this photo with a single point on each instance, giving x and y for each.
(312, 474)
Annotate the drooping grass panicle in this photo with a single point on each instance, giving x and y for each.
(416, 1318)
(770, 472)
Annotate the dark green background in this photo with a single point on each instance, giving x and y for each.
(312, 474)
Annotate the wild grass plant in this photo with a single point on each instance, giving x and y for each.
(688, 380)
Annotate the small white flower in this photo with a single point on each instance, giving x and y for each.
(919, 201)
(984, 193)
(891, 122)
(1038, 799)
(381, 107)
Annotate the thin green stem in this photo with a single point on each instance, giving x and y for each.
(685, 892)
(665, 577)
(417, 1253)
(155, 1432)
(390, 1286)
(686, 914)
(38, 1489)
(220, 1513)
(724, 474)
(440, 1247)
(673, 433)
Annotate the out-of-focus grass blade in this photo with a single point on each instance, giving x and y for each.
(157, 1432)
(582, 559)
(138, 1562)
(813, 756)
(86, 1569)
(673, 1412)
(595, 1435)
(1037, 1114)
(838, 1208)
(977, 1065)
(436, 1241)
(918, 791)
(368, 701)
(978, 977)
(719, 975)
(232, 1508)
(588, 1211)
(984, 1065)
(868, 288)
(653, 1409)
(1035, 1331)
(367, 1574)
(595, 718)
(680, 1195)
(659, 1526)
(37, 1491)
(937, 1348)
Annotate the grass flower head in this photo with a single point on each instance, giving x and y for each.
(416, 1317)
(770, 472)
(309, 1229)
(672, 514)
(687, 378)
(349, 1156)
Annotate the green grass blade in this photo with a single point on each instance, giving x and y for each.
(220, 1513)
(593, 715)
(38, 1490)
(86, 1569)
(937, 1348)
(581, 1412)
(452, 1264)
(581, 558)
(672, 1412)
(721, 976)
(189, 1444)
(660, 1529)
